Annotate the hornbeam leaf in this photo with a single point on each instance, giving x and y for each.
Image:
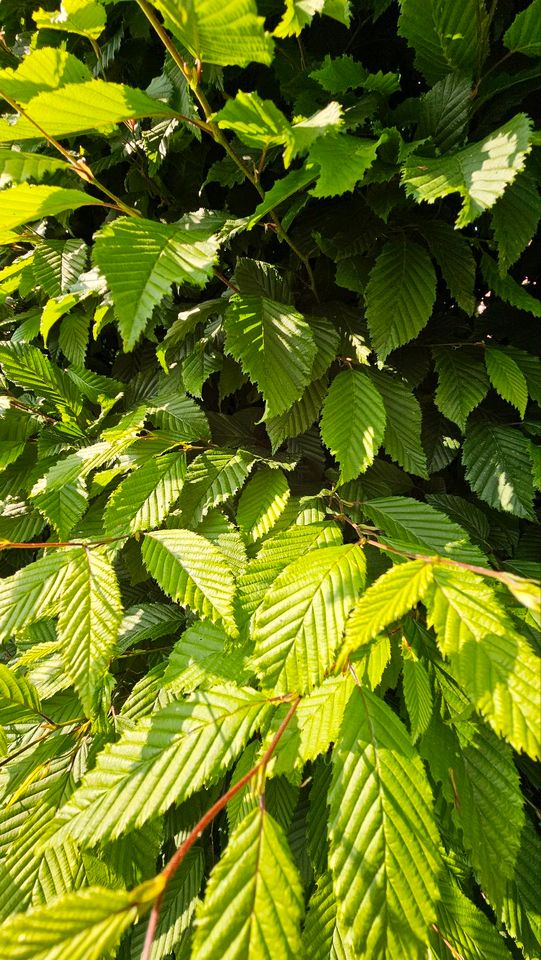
(402, 437)
(274, 346)
(140, 259)
(143, 499)
(400, 295)
(34, 592)
(493, 663)
(417, 694)
(523, 34)
(19, 166)
(383, 838)
(82, 108)
(262, 502)
(353, 422)
(192, 571)
(464, 927)
(47, 68)
(84, 17)
(28, 202)
(253, 903)
(298, 626)
(299, 13)
(445, 37)
(323, 936)
(520, 907)
(163, 760)
(19, 699)
(316, 726)
(282, 189)
(386, 600)
(479, 173)
(462, 381)
(507, 378)
(213, 33)
(79, 926)
(256, 122)
(455, 259)
(508, 289)
(89, 621)
(515, 217)
(211, 479)
(498, 467)
(64, 507)
(343, 160)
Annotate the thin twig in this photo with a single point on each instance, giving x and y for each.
(170, 869)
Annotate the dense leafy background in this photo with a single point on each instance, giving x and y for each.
(269, 447)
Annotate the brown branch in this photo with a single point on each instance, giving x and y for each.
(445, 561)
(12, 545)
(174, 863)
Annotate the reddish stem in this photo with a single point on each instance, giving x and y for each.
(170, 869)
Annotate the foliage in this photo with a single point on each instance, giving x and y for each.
(269, 445)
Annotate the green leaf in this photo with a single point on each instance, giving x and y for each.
(281, 190)
(29, 368)
(298, 626)
(462, 381)
(480, 173)
(339, 74)
(253, 903)
(262, 502)
(391, 596)
(507, 378)
(498, 467)
(231, 35)
(211, 479)
(80, 926)
(90, 615)
(417, 694)
(523, 34)
(177, 414)
(323, 936)
(84, 17)
(47, 68)
(29, 202)
(353, 422)
(455, 259)
(140, 259)
(495, 664)
(143, 500)
(299, 14)
(444, 113)
(300, 416)
(33, 592)
(508, 289)
(316, 726)
(19, 699)
(192, 571)
(274, 346)
(465, 927)
(343, 161)
(400, 295)
(383, 838)
(256, 122)
(177, 908)
(63, 507)
(445, 37)
(520, 910)
(19, 166)
(82, 108)
(163, 760)
(402, 437)
(57, 265)
(515, 217)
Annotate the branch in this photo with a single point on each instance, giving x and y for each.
(170, 869)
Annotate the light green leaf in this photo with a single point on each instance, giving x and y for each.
(256, 122)
(495, 664)
(515, 217)
(462, 381)
(298, 626)
(498, 467)
(455, 259)
(339, 74)
(28, 202)
(417, 694)
(84, 17)
(33, 592)
(147, 621)
(262, 502)
(465, 927)
(63, 507)
(140, 259)
(177, 414)
(353, 422)
(47, 68)
(274, 346)
(479, 173)
(230, 35)
(400, 295)
(163, 760)
(299, 14)
(253, 903)
(445, 37)
(19, 699)
(523, 34)
(419, 528)
(176, 910)
(402, 437)
(82, 108)
(343, 161)
(80, 926)
(507, 378)
(192, 571)
(143, 500)
(19, 166)
(282, 190)
(58, 264)
(520, 908)
(392, 595)
(316, 726)
(383, 838)
(211, 479)
(89, 621)
(73, 337)
(299, 417)
(323, 936)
